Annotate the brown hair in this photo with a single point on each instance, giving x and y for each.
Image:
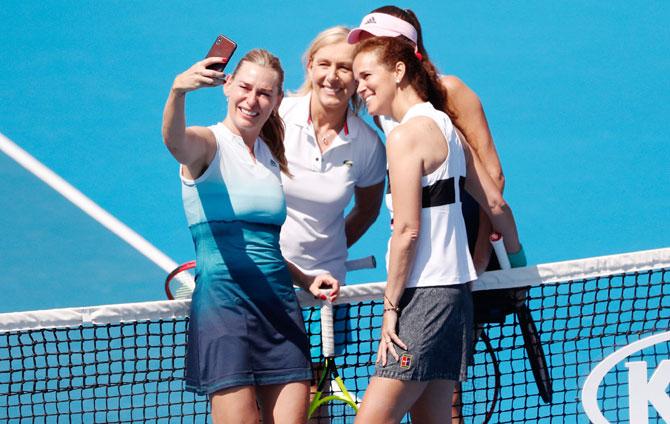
(327, 37)
(422, 77)
(409, 16)
(273, 129)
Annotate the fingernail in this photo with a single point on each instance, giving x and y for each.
(323, 297)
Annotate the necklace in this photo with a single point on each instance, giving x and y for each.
(325, 140)
(328, 137)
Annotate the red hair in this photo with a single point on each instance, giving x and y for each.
(420, 74)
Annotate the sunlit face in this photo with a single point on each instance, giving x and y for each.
(253, 92)
(331, 74)
(376, 83)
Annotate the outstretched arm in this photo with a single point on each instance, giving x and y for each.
(192, 146)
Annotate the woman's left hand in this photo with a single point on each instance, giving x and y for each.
(325, 281)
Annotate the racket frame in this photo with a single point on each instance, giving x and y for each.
(329, 367)
(173, 274)
(531, 337)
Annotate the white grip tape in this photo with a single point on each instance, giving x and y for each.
(182, 285)
(501, 253)
(327, 332)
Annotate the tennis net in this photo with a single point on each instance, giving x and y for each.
(604, 324)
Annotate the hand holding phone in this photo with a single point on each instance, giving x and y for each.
(222, 47)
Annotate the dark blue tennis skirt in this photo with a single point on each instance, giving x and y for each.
(246, 327)
(436, 325)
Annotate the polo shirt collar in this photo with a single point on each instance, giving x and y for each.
(302, 111)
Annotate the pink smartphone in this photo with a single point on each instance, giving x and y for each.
(223, 47)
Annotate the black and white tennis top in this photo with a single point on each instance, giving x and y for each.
(442, 256)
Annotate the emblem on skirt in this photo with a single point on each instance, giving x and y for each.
(405, 361)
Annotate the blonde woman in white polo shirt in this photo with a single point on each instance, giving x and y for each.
(333, 157)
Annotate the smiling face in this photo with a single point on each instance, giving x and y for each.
(376, 83)
(331, 75)
(253, 92)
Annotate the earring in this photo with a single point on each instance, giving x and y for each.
(397, 81)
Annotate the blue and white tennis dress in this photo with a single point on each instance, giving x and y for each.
(245, 326)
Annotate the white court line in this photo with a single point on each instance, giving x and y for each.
(87, 205)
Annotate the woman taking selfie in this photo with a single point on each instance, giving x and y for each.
(427, 327)
(246, 343)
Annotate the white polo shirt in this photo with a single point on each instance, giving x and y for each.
(322, 186)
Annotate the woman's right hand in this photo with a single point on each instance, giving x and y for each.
(324, 281)
(198, 76)
(389, 339)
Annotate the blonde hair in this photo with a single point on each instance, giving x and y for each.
(327, 37)
(273, 129)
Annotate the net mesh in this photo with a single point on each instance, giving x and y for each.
(129, 367)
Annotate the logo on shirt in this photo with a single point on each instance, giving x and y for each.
(405, 361)
(273, 163)
(348, 163)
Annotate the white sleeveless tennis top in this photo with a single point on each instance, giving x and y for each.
(235, 186)
(442, 255)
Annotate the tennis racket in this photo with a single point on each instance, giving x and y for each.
(180, 283)
(481, 392)
(368, 262)
(336, 391)
(531, 337)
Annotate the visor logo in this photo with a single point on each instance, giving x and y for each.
(370, 21)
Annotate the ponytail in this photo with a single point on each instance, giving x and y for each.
(273, 135)
(437, 94)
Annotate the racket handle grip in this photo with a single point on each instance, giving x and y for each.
(369, 262)
(183, 286)
(327, 331)
(496, 240)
